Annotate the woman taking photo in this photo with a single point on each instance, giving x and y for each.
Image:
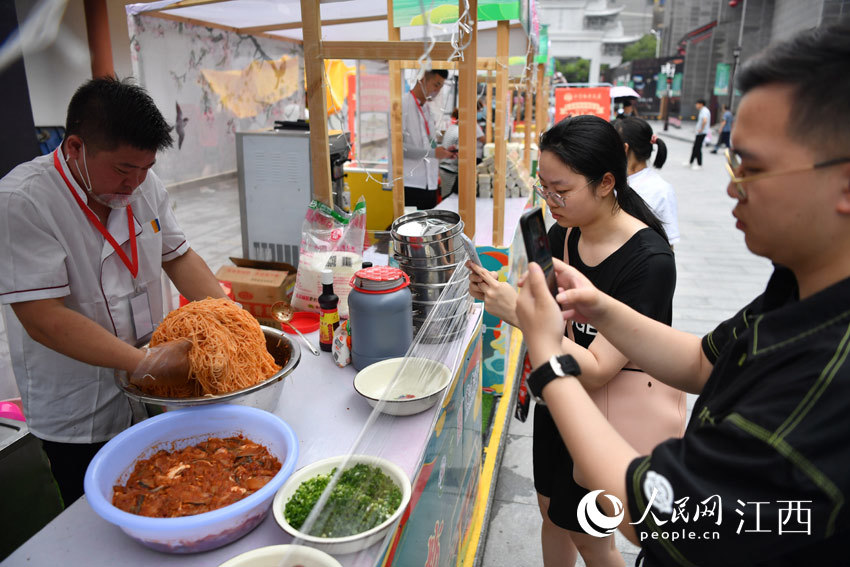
(607, 232)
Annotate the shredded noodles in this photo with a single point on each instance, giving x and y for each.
(228, 348)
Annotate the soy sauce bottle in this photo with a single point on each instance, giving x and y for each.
(329, 318)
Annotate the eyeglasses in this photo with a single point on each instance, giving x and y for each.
(733, 164)
(552, 196)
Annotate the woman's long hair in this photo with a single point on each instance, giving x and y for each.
(637, 133)
(591, 147)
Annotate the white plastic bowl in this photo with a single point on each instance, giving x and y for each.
(175, 430)
(283, 556)
(417, 388)
(349, 544)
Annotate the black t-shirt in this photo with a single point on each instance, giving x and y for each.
(768, 445)
(641, 274)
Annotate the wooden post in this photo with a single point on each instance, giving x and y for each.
(503, 35)
(467, 90)
(396, 138)
(314, 68)
(541, 108)
(488, 88)
(528, 97)
(100, 46)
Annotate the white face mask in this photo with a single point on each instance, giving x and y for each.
(111, 200)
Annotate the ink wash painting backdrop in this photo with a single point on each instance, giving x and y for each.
(222, 82)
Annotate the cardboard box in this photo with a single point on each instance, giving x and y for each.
(257, 285)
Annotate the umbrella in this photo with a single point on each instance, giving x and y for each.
(623, 91)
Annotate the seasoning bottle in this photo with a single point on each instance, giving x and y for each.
(329, 318)
(380, 315)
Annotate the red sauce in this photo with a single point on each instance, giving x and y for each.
(201, 478)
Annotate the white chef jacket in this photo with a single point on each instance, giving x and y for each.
(660, 197)
(50, 249)
(421, 167)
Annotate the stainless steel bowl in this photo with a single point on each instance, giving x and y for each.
(445, 309)
(452, 257)
(428, 250)
(265, 395)
(430, 275)
(432, 292)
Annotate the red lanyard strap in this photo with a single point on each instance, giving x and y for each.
(419, 106)
(132, 266)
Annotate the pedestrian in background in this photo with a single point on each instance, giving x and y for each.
(725, 129)
(638, 140)
(701, 131)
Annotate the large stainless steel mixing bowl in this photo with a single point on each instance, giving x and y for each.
(264, 395)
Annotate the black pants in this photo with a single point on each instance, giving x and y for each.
(420, 198)
(696, 153)
(723, 141)
(68, 463)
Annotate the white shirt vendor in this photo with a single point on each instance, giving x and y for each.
(660, 197)
(419, 134)
(50, 249)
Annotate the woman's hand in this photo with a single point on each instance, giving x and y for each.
(499, 297)
(579, 299)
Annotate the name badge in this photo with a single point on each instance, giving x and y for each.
(140, 309)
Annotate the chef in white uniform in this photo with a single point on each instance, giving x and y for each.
(84, 235)
(422, 154)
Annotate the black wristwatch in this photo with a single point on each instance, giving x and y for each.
(557, 367)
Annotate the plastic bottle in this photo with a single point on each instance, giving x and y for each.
(329, 319)
(380, 311)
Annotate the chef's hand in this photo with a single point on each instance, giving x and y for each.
(166, 364)
(499, 297)
(444, 153)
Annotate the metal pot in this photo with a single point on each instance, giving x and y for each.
(428, 250)
(426, 226)
(445, 309)
(452, 257)
(431, 275)
(265, 395)
(431, 292)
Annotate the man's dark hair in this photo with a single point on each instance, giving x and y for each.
(441, 72)
(701, 101)
(107, 112)
(816, 64)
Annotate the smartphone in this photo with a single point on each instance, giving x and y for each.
(471, 251)
(537, 244)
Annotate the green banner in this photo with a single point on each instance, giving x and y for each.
(721, 79)
(543, 50)
(409, 12)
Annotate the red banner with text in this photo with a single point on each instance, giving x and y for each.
(573, 101)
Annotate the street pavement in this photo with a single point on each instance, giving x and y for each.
(716, 276)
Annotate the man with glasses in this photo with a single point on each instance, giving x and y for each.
(760, 476)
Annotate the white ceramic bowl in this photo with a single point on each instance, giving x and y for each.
(175, 430)
(283, 556)
(417, 388)
(349, 544)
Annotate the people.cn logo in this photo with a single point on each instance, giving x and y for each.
(593, 521)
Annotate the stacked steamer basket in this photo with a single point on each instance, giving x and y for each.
(428, 247)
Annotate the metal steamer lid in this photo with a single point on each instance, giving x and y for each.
(426, 225)
(379, 279)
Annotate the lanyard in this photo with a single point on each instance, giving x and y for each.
(132, 266)
(419, 106)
